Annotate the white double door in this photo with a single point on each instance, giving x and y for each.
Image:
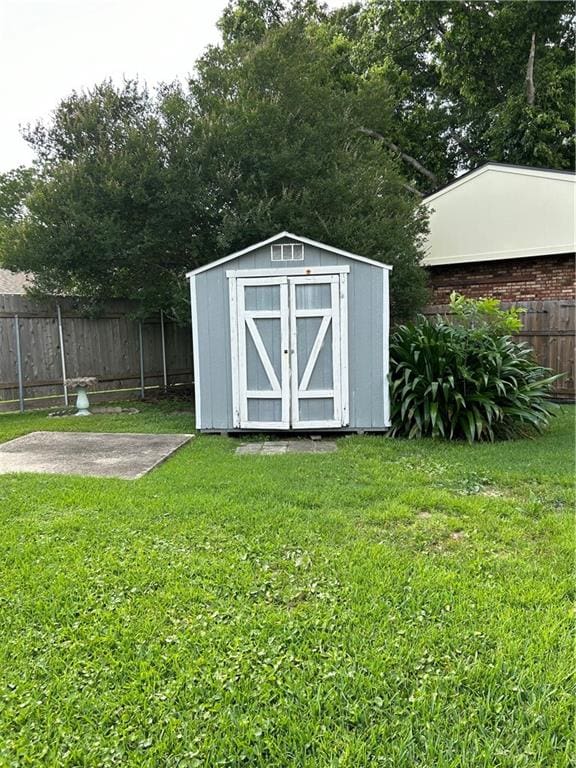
(289, 339)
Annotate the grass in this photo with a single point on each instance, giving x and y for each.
(401, 604)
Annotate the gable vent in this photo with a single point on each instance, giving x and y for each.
(287, 252)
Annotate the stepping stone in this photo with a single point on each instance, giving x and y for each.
(271, 448)
(274, 447)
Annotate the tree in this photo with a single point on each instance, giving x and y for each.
(135, 188)
(249, 21)
(475, 81)
(15, 186)
(286, 153)
(117, 209)
(508, 68)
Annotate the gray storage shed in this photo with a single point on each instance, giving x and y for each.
(291, 334)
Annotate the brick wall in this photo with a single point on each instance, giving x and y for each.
(528, 279)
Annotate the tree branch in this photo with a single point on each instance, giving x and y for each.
(395, 148)
(530, 90)
(412, 189)
(323, 223)
(467, 147)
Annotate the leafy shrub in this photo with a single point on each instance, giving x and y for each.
(459, 381)
(485, 313)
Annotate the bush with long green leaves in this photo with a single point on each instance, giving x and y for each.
(457, 382)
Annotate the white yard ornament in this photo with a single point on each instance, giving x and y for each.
(81, 384)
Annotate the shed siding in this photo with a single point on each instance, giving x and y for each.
(365, 334)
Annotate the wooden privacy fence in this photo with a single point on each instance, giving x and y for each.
(42, 344)
(550, 329)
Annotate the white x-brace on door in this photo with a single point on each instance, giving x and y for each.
(289, 351)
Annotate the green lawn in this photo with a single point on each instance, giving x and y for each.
(402, 604)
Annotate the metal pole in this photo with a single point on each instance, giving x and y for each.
(62, 355)
(164, 371)
(19, 363)
(141, 349)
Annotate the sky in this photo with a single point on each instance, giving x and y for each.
(49, 48)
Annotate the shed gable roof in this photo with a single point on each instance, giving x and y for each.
(301, 239)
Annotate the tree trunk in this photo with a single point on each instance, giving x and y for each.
(530, 90)
(395, 148)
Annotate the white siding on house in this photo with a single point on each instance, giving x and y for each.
(502, 212)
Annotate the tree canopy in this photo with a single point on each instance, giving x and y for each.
(328, 123)
(117, 205)
(473, 81)
(15, 186)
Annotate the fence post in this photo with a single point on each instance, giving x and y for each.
(62, 355)
(141, 350)
(164, 371)
(19, 363)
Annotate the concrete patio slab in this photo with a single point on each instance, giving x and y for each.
(273, 447)
(97, 454)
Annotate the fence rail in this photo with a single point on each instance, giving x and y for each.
(549, 327)
(42, 344)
